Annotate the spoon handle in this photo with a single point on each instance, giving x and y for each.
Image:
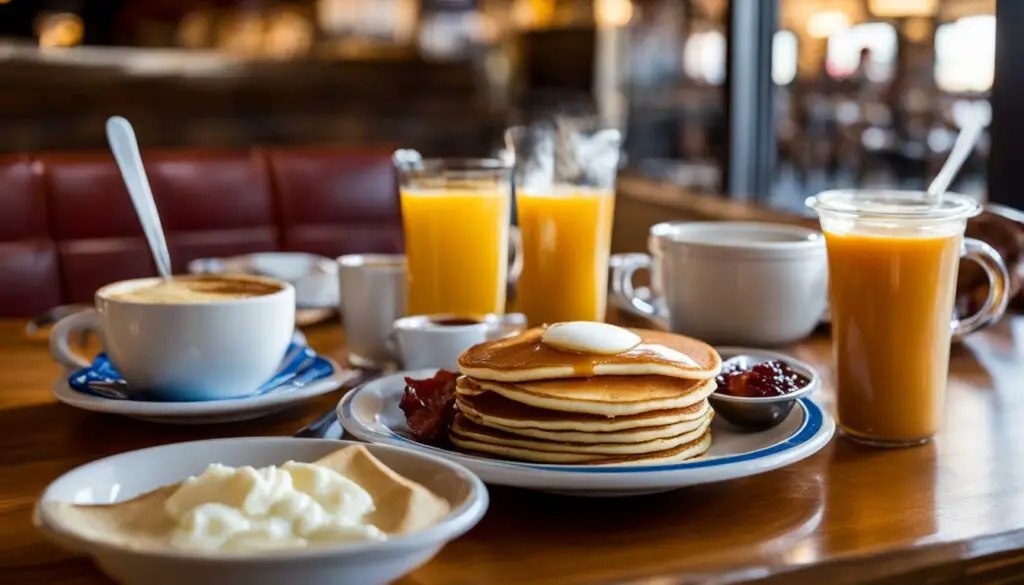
(125, 147)
(962, 148)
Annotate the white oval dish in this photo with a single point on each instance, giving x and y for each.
(371, 413)
(205, 412)
(314, 277)
(126, 475)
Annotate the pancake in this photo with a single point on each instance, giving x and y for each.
(634, 435)
(465, 429)
(496, 410)
(683, 452)
(609, 396)
(524, 358)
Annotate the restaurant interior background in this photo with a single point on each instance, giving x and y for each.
(866, 92)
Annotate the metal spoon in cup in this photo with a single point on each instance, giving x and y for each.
(125, 147)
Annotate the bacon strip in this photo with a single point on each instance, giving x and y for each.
(429, 407)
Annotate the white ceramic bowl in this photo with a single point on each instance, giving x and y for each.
(314, 277)
(124, 476)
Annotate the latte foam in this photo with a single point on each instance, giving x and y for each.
(198, 289)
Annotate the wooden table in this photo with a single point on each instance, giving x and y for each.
(949, 512)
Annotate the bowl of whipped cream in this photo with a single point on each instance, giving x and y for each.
(261, 511)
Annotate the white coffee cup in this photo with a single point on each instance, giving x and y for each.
(373, 296)
(738, 283)
(437, 341)
(185, 351)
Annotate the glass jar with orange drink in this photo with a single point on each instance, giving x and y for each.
(456, 220)
(565, 203)
(893, 259)
(567, 235)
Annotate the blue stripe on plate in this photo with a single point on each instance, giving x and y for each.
(813, 420)
(300, 366)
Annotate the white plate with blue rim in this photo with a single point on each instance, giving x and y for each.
(303, 374)
(371, 413)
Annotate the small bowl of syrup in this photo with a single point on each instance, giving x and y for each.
(757, 389)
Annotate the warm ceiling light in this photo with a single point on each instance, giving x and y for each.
(917, 29)
(194, 29)
(59, 30)
(613, 13)
(713, 9)
(288, 35)
(533, 14)
(901, 8)
(825, 24)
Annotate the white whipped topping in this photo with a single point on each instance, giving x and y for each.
(271, 508)
(590, 337)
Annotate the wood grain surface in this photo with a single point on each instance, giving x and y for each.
(949, 512)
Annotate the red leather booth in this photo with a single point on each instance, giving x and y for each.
(67, 225)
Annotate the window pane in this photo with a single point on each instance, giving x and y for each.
(704, 57)
(878, 97)
(868, 48)
(784, 57)
(965, 53)
(676, 72)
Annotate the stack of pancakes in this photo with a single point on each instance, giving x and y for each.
(519, 398)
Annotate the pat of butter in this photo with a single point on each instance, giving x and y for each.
(590, 337)
(271, 508)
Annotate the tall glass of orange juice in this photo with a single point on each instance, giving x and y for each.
(567, 235)
(893, 259)
(565, 202)
(456, 217)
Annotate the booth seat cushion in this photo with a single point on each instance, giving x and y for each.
(99, 239)
(67, 225)
(29, 275)
(337, 201)
(210, 203)
(213, 204)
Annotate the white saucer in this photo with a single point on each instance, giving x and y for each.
(660, 319)
(213, 411)
(371, 413)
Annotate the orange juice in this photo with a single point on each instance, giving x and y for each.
(566, 242)
(892, 300)
(456, 247)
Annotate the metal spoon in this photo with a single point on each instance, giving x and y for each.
(125, 147)
(962, 148)
(114, 390)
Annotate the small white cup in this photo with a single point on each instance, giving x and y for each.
(372, 297)
(437, 341)
(185, 351)
(735, 283)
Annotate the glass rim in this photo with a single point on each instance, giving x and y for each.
(371, 260)
(892, 204)
(457, 164)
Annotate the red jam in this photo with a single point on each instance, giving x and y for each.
(771, 378)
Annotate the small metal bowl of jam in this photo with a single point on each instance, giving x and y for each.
(757, 389)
